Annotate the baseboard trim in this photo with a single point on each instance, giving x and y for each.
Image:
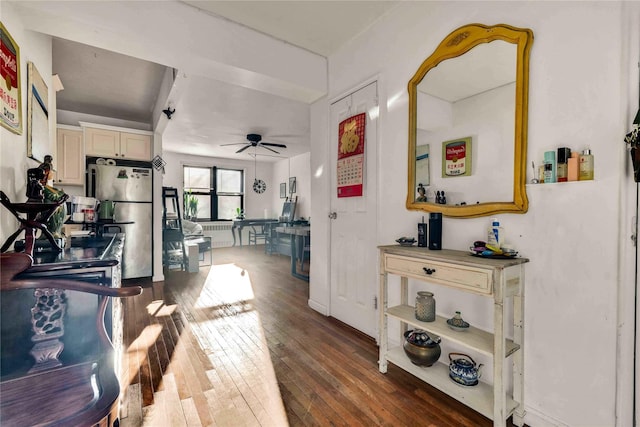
(534, 418)
(320, 308)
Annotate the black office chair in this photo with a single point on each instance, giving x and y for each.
(258, 231)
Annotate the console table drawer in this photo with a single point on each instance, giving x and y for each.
(458, 276)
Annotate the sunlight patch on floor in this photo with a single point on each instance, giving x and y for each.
(137, 351)
(226, 284)
(166, 310)
(236, 340)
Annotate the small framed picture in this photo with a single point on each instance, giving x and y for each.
(292, 185)
(456, 157)
(283, 190)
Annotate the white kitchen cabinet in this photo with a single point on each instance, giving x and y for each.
(135, 146)
(69, 159)
(110, 143)
(496, 278)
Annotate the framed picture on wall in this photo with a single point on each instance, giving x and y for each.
(456, 157)
(37, 114)
(292, 185)
(283, 190)
(11, 102)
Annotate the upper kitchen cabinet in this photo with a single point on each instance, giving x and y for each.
(135, 146)
(69, 157)
(103, 142)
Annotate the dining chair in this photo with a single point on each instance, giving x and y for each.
(257, 231)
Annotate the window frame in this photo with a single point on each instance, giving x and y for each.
(212, 191)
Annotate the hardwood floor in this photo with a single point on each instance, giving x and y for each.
(237, 345)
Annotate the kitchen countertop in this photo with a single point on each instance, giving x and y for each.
(85, 252)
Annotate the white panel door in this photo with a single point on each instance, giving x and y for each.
(354, 281)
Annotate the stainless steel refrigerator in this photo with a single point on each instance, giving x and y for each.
(130, 185)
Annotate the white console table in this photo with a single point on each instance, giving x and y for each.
(497, 278)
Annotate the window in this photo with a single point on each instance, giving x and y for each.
(212, 193)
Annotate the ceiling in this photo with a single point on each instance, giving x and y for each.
(209, 112)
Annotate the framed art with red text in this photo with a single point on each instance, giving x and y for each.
(456, 157)
(10, 87)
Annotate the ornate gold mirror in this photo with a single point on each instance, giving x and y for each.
(468, 124)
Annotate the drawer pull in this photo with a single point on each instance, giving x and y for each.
(429, 271)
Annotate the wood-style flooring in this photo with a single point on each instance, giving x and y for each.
(237, 345)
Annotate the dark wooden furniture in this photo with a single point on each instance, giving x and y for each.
(58, 365)
(37, 214)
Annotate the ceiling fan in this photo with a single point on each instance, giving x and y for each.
(255, 140)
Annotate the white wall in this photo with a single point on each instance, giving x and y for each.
(571, 230)
(298, 167)
(489, 119)
(14, 163)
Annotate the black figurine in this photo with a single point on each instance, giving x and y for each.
(35, 189)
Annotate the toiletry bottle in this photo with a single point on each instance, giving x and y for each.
(422, 234)
(549, 167)
(586, 165)
(573, 166)
(564, 154)
(435, 231)
(495, 234)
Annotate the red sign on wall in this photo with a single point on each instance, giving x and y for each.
(10, 100)
(350, 166)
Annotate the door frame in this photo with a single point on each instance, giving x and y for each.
(376, 78)
(627, 401)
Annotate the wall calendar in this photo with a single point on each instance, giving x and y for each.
(350, 166)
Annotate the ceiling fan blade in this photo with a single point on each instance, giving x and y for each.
(243, 148)
(271, 144)
(235, 143)
(277, 152)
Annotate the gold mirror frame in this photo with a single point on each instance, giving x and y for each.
(456, 44)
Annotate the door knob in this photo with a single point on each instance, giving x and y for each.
(333, 215)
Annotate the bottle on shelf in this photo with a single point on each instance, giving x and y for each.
(495, 235)
(573, 169)
(549, 167)
(564, 154)
(586, 165)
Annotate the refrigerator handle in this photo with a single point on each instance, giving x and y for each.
(91, 188)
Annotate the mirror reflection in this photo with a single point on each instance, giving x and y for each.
(467, 135)
(469, 97)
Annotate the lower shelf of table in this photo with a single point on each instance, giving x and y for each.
(479, 397)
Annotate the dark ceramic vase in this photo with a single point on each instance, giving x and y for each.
(420, 348)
